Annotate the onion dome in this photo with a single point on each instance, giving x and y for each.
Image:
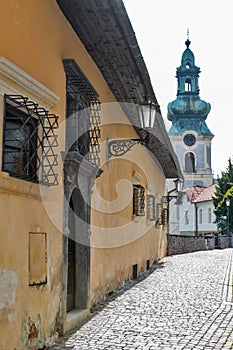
(188, 106)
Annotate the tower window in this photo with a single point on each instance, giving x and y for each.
(190, 163)
(188, 86)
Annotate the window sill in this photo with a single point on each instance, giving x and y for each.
(18, 187)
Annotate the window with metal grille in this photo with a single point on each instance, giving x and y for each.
(159, 211)
(138, 200)
(150, 207)
(29, 140)
(165, 216)
(83, 114)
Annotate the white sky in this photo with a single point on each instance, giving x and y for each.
(161, 30)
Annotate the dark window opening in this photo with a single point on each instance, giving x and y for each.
(29, 141)
(188, 85)
(19, 158)
(135, 271)
(138, 200)
(147, 264)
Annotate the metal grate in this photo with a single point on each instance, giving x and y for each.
(83, 113)
(165, 216)
(138, 200)
(94, 133)
(159, 211)
(29, 141)
(150, 207)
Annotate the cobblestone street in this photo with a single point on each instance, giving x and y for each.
(185, 302)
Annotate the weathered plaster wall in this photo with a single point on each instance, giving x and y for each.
(38, 38)
(119, 240)
(23, 307)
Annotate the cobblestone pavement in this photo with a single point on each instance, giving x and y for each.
(185, 302)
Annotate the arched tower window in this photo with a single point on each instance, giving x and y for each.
(188, 85)
(190, 163)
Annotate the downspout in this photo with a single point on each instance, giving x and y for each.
(196, 220)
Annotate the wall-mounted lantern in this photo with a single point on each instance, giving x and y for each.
(147, 116)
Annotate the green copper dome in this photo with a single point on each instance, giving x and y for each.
(188, 111)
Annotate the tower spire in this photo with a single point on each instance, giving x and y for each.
(187, 42)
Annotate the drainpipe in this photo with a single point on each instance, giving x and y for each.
(196, 220)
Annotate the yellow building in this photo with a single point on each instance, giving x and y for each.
(79, 214)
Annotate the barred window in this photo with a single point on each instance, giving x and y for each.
(138, 200)
(165, 216)
(150, 207)
(83, 113)
(186, 217)
(29, 140)
(159, 212)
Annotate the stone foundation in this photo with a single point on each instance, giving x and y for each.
(185, 244)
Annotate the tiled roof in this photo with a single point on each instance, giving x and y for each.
(107, 34)
(197, 194)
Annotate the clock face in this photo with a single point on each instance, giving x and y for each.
(189, 139)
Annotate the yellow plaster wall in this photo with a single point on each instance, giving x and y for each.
(35, 36)
(20, 303)
(119, 240)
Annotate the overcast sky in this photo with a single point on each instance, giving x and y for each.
(161, 30)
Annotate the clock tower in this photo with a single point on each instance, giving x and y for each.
(189, 134)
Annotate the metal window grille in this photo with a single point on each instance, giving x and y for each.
(94, 133)
(159, 211)
(29, 140)
(165, 216)
(83, 114)
(138, 200)
(150, 207)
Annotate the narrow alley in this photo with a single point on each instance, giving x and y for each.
(185, 302)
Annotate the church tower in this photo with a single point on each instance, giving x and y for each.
(189, 134)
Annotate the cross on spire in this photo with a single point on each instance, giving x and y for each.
(187, 42)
